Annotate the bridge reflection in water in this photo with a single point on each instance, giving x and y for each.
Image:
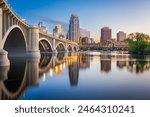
(24, 74)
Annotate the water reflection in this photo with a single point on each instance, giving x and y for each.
(121, 64)
(105, 63)
(84, 61)
(138, 66)
(28, 75)
(74, 73)
(15, 81)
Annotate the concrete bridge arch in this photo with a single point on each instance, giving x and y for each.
(27, 45)
(12, 92)
(45, 45)
(60, 47)
(45, 63)
(15, 42)
(69, 48)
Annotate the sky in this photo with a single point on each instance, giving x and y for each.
(120, 15)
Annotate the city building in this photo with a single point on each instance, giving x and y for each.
(84, 33)
(95, 45)
(119, 44)
(74, 29)
(42, 28)
(67, 35)
(84, 40)
(57, 31)
(106, 34)
(121, 36)
(92, 40)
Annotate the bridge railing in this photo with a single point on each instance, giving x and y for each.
(13, 13)
(62, 39)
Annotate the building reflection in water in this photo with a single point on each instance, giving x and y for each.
(23, 74)
(78, 61)
(121, 61)
(84, 61)
(74, 73)
(72, 63)
(105, 61)
(121, 64)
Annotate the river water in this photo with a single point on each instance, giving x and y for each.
(77, 76)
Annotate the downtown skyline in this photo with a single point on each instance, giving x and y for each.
(128, 15)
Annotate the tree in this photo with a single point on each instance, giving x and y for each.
(138, 43)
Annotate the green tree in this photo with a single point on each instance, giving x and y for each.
(138, 43)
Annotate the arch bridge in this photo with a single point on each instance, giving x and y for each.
(17, 38)
(49, 43)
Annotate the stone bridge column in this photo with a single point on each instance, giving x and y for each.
(33, 72)
(1, 26)
(0, 94)
(3, 76)
(4, 73)
(3, 54)
(54, 47)
(53, 61)
(66, 48)
(33, 43)
(4, 58)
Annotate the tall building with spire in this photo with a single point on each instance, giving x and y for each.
(74, 28)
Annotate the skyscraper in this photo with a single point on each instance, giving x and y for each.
(74, 30)
(57, 31)
(106, 34)
(121, 36)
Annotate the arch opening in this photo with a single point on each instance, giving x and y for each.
(60, 48)
(15, 75)
(75, 49)
(69, 48)
(15, 43)
(45, 61)
(60, 56)
(45, 46)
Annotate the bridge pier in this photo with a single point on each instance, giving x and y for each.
(55, 51)
(1, 26)
(33, 72)
(33, 43)
(53, 61)
(66, 51)
(4, 58)
(4, 73)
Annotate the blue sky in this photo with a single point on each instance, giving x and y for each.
(120, 15)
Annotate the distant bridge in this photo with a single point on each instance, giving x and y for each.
(17, 38)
